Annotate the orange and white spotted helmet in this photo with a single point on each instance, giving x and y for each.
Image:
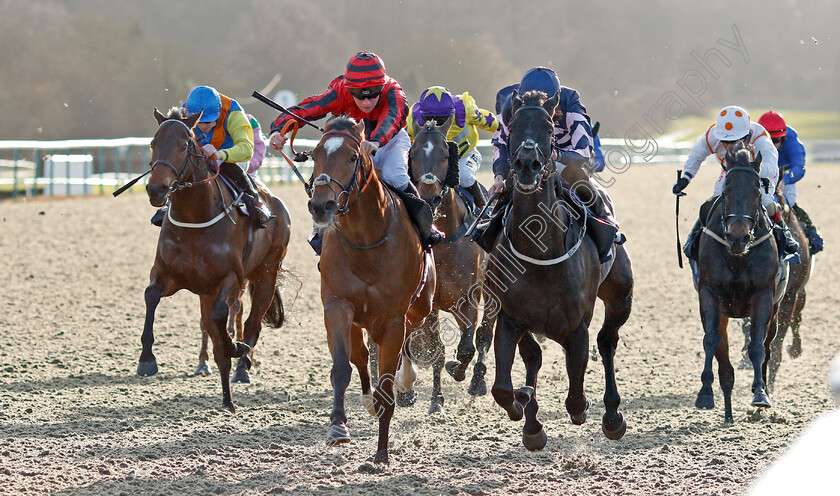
(733, 123)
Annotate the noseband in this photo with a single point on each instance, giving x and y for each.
(180, 172)
(325, 179)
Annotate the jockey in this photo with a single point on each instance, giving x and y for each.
(366, 93)
(437, 103)
(259, 146)
(792, 169)
(732, 125)
(572, 151)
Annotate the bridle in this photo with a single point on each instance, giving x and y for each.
(547, 165)
(178, 184)
(325, 179)
(728, 220)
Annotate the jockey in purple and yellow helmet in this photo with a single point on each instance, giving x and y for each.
(437, 103)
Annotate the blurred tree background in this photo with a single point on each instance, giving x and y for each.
(97, 68)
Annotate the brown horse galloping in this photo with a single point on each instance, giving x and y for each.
(208, 247)
(433, 168)
(371, 267)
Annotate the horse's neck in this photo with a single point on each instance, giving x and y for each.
(368, 215)
(196, 204)
(452, 213)
(538, 219)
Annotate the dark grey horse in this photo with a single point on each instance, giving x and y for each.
(544, 272)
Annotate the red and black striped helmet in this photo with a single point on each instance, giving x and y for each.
(364, 70)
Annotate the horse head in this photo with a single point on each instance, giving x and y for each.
(741, 198)
(429, 161)
(175, 148)
(339, 159)
(531, 131)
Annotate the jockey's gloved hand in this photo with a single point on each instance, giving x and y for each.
(370, 147)
(680, 185)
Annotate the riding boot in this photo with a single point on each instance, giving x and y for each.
(257, 208)
(315, 240)
(691, 248)
(815, 241)
(603, 226)
(478, 195)
(791, 246)
(157, 219)
(421, 214)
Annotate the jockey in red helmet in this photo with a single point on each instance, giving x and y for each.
(791, 169)
(366, 93)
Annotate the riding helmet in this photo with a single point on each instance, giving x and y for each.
(436, 101)
(540, 79)
(733, 123)
(774, 123)
(364, 70)
(204, 98)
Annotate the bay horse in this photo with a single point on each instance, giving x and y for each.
(372, 266)
(207, 246)
(737, 268)
(544, 270)
(433, 167)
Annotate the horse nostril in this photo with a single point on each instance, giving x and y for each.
(330, 207)
(436, 200)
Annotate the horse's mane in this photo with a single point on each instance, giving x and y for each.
(342, 122)
(738, 154)
(174, 113)
(533, 98)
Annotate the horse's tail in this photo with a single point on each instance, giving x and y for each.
(275, 316)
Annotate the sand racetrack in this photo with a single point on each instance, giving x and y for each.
(76, 419)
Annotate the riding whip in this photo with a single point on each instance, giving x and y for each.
(131, 183)
(679, 245)
(271, 103)
(481, 214)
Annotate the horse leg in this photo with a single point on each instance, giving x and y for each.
(795, 348)
(224, 348)
(219, 353)
(466, 314)
(763, 331)
(483, 338)
(577, 357)
(784, 318)
(338, 318)
(617, 294)
(261, 298)
(373, 359)
(202, 368)
(359, 358)
(157, 289)
(504, 343)
(533, 433)
(710, 318)
(236, 329)
(434, 349)
(726, 373)
(389, 354)
(745, 362)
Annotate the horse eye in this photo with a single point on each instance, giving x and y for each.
(354, 158)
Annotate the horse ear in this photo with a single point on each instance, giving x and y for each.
(757, 162)
(515, 101)
(159, 117)
(359, 129)
(551, 103)
(191, 120)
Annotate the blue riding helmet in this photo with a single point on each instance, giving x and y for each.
(204, 98)
(540, 79)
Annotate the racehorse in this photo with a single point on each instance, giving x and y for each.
(372, 271)
(433, 166)
(207, 246)
(737, 269)
(545, 273)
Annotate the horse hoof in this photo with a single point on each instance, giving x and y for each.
(381, 458)
(436, 409)
(203, 369)
(370, 404)
(240, 349)
(477, 387)
(761, 400)
(338, 434)
(228, 405)
(407, 398)
(523, 395)
(795, 349)
(455, 370)
(705, 401)
(745, 363)
(580, 418)
(614, 427)
(535, 442)
(241, 376)
(147, 369)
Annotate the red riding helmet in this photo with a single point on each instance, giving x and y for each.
(364, 70)
(774, 123)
